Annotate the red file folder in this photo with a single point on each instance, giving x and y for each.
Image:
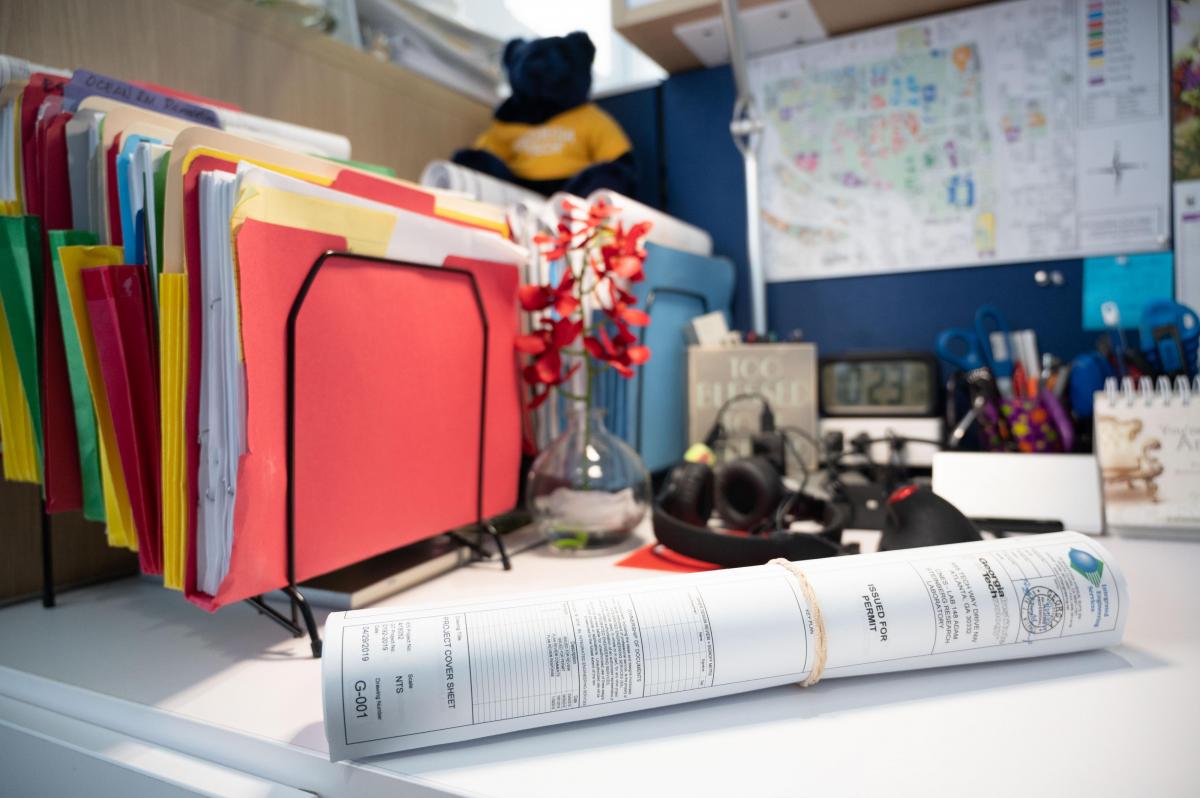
(117, 298)
(40, 87)
(389, 370)
(112, 195)
(63, 484)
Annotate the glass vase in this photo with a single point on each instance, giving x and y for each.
(588, 489)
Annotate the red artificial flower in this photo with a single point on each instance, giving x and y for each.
(617, 353)
(540, 297)
(615, 263)
(601, 211)
(622, 309)
(554, 247)
(553, 336)
(535, 374)
(597, 213)
(545, 344)
(634, 316)
(624, 255)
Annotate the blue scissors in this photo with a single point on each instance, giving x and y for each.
(982, 350)
(962, 348)
(994, 336)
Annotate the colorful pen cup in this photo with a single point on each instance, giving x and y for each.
(1032, 425)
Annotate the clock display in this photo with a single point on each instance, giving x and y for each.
(879, 385)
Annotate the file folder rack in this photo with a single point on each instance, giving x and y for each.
(299, 606)
(301, 610)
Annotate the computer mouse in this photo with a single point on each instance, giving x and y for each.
(916, 516)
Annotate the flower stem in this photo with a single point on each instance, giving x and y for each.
(587, 399)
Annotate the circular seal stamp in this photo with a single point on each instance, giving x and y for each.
(1041, 610)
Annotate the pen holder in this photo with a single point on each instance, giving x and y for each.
(1032, 425)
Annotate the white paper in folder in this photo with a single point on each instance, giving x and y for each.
(401, 678)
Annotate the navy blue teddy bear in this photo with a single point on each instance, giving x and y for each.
(547, 137)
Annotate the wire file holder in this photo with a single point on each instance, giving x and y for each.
(299, 606)
(301, 621)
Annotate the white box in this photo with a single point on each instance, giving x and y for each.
(1023, 487)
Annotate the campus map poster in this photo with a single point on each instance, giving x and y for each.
(1024, 130)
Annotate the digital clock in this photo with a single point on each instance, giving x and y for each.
(880, 384)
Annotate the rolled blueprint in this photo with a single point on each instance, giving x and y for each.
(480, 186)
(397, 678)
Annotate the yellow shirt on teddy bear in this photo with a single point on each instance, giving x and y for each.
(560, 147)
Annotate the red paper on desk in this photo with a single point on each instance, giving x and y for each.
(371, 339)
(117, 299)
(657, 557)
(63, 483)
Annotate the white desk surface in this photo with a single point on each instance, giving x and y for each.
(234, 688)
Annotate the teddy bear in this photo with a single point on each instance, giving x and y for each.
(546, 136)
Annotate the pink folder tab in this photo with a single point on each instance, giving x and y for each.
(116, 299)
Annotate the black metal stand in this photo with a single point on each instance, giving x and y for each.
(483, 525)
(292, 624)
(48, 594)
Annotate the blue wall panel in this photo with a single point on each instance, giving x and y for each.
(638, 112)
(705, 182)
(907, 311)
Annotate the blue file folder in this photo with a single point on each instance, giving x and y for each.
(649, 411)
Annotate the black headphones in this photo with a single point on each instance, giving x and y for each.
(745, 494)
(749, 495)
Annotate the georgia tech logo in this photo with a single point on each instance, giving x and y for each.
(1089, 567)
